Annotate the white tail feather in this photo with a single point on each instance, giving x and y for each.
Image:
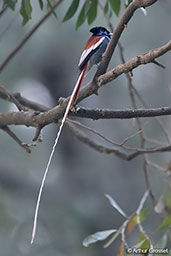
(51, 155)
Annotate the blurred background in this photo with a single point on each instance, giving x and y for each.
(73, 204)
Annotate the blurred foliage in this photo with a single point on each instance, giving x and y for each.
(166, 222)
(98, 236)
(143, 243)
(10, 3)
(125, 229)
(114, 204)
(72, 10)
(88, 10)
(25, 11)
(26, 8)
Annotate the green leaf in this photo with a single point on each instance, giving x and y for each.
(92, 12)
(72, 10)
(166, 223)
(167, 200)
(106, 7)
(115, 4)
(41, 4)
(10, 3)
(51, 8)
(25, 11)
(142, 216)
(99, 236)
(83, 13)
(115, 205)
(138, 245)
(144, 243)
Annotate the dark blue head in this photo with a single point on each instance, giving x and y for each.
(100, 31)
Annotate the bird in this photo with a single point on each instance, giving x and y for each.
(91, 55)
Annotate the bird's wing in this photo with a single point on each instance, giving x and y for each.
(91, 47)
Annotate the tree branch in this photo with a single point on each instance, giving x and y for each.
(120, 114)
(4, 8)
(30, 104)
(90, 88)
(142, 137)
(113, 151)
(21, 44)
(9, 97)
(23, 101)
(36, 119)
(133, 63)
(118, 31)
(14, 137)
(52, 115)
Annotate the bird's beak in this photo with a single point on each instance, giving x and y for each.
(111, 34)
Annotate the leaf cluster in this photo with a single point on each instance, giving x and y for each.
(86, 10)
(26, 8)
(143, 242)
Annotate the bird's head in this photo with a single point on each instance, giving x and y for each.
(100, 31)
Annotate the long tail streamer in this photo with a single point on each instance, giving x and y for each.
(71, 102)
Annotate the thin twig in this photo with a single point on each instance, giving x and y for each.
(156, 166)
(114, 236)
(11, 98)
(113, 151)
(30, 104)
(123, 232)
(14, 137)
(163, 129)
(153, 199)
(131, 93)
(158, 64)
(157, 119)
(37, 133)
(104, 137)
(94, 131)
(3, 10)
(98, 147)
(22, 43)
(140, 207)
(23, 101)
(154, 141)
